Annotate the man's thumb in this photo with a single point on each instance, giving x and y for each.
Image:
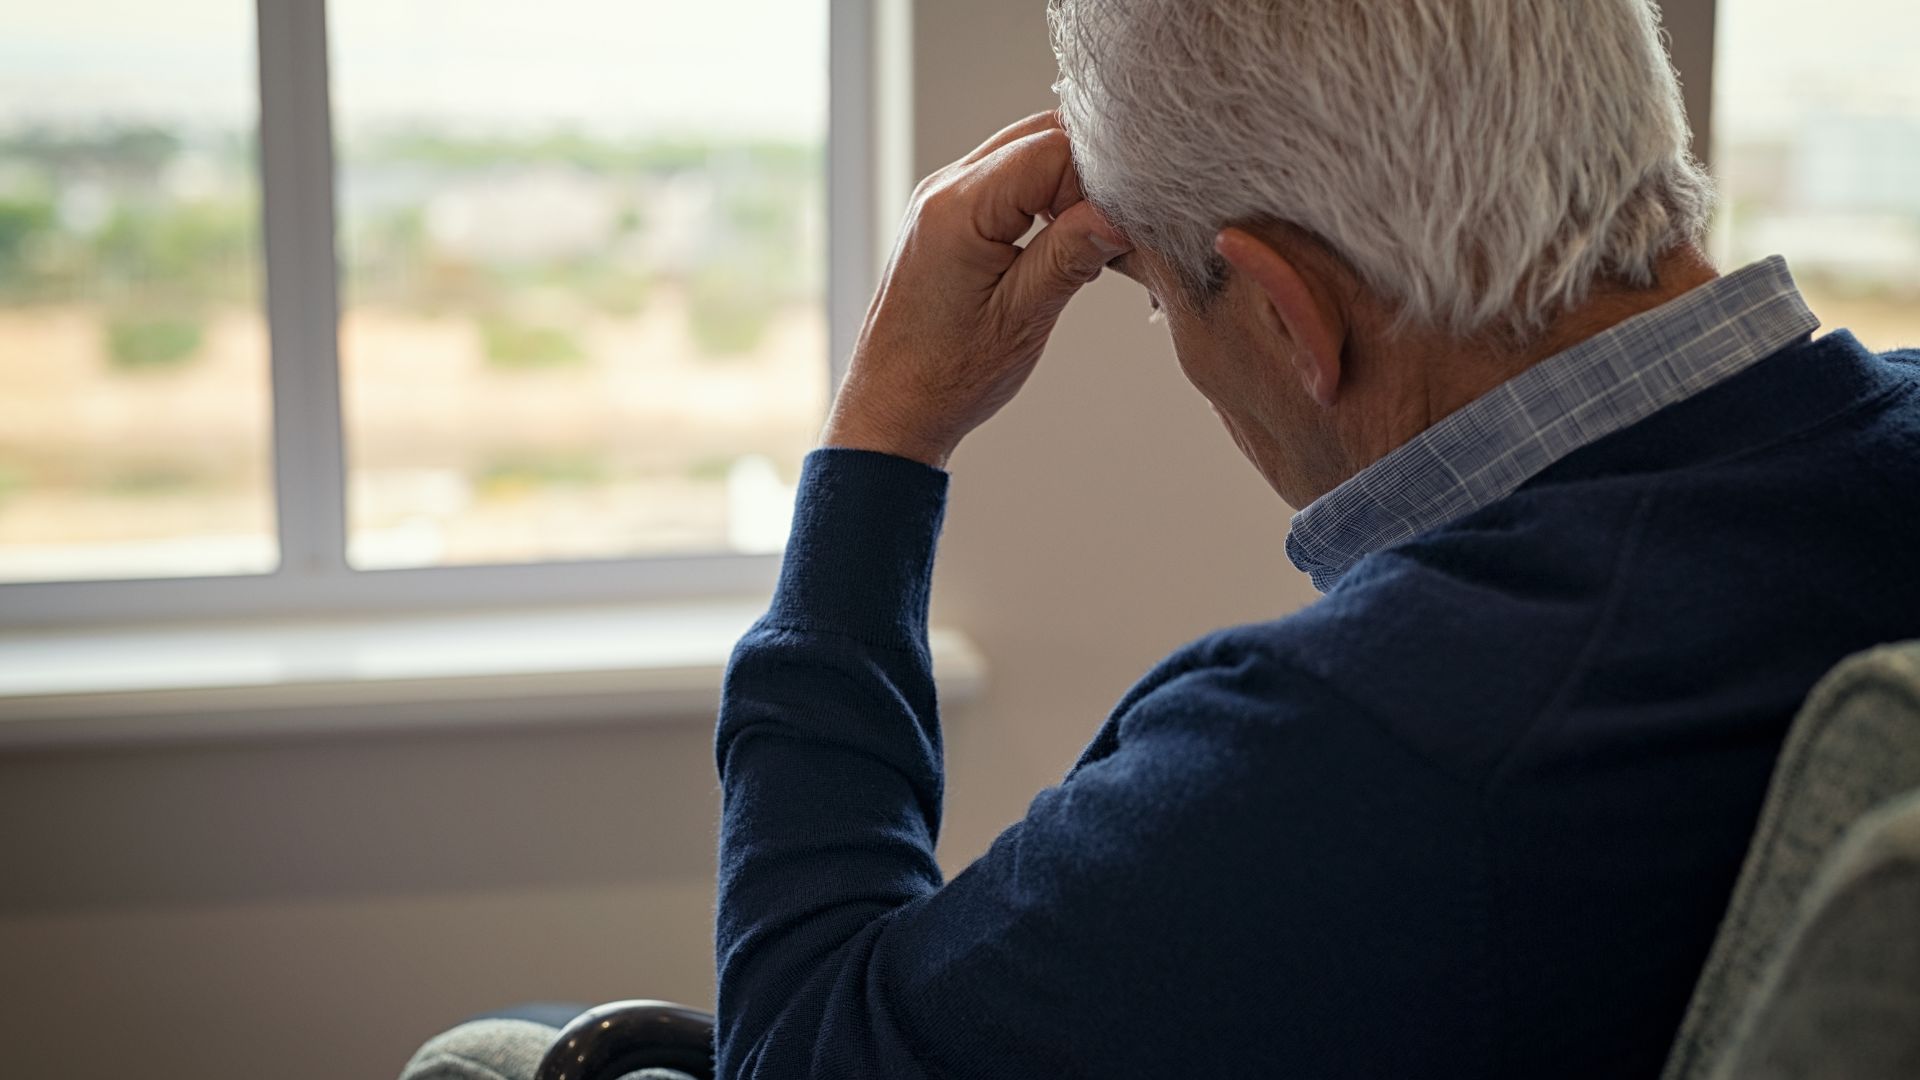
(1062, 257)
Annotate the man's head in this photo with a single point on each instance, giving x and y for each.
(1354, 211)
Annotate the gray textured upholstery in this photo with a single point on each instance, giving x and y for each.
(1844, 999)
(495, 1050)
(1854, 748)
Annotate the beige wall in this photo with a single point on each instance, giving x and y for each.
(310, 910)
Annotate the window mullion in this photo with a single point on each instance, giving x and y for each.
(851, 194)
(296, 167)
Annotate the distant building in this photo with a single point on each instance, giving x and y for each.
(524, 215)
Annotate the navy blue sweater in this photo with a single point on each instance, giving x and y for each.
(1476, 813)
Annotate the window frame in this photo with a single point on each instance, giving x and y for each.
(301, 274)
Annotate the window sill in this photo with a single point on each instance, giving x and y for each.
(510, 669)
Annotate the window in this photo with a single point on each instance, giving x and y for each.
(134, 424)
(380, 301)
(1817, 149)
(584, 272)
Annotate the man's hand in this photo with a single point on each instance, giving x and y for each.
(963, 312)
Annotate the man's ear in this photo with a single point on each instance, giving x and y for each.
(1316, 326)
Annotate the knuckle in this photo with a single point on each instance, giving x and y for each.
(1049, 143)
(940, 202)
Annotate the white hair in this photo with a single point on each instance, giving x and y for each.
(1479, 163)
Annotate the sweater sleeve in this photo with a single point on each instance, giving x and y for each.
(1228, 877)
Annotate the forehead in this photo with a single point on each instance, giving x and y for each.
(1170, 289)
(1142, 266)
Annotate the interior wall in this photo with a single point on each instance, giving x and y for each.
(315, 908)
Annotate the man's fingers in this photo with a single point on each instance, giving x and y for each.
(1019, 182)
(1013, 132)
(1060, 259)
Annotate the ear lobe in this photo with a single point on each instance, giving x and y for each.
(1316, 328)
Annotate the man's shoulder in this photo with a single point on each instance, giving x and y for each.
(1450, 644)
(1457, 641)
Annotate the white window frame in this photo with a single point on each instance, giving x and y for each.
(301, 270)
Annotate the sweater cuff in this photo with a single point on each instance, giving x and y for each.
(860, 559)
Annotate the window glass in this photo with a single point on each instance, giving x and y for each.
(1817, 149)
(134, 409)
(584, 273)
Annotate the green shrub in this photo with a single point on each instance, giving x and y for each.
(200, 252)
(519, 473)
(153, 479)
(710, 469)
(728, 313)
(152, 342)
(516, 346)
(620, 294)
(23, 223)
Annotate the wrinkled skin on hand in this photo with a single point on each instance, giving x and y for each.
(963, 311)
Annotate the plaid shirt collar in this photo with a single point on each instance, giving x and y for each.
(1485, 450)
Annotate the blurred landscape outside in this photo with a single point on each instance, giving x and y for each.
(1817, 152)
(582, 256)
(583, 282)
(134, 436)
(583, 247)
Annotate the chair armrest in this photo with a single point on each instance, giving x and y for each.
(617, 1038)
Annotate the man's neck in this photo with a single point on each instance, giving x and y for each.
(1679, 272)
(1449, 373)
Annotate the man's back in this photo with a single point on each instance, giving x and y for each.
(1604, 664)
(1475, 813)
(1592, 517)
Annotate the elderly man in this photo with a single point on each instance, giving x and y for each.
(1590, 519)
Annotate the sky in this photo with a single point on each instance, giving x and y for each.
(620, 66)
(741, 66)
(1777, 60)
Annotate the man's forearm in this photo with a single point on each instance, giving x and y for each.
(828, 745)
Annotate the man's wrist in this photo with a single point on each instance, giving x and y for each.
(858, 432)
(860, 558)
